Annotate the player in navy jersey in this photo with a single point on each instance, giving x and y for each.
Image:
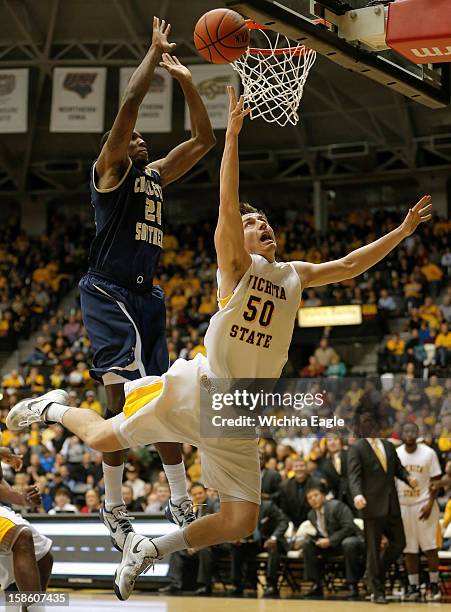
(123, 312)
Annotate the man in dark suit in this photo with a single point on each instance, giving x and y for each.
(292, 499)
(271, 480)
(334, 468)
(268, 537)
(373, 465)
(200, 561)
(336, 534)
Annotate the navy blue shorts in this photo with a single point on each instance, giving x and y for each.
(127, 330)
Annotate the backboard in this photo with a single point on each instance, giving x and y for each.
(426, 84)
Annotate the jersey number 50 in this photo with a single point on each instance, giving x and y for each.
(253, 308)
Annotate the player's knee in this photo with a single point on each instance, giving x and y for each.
(24, 541)
(97, 440)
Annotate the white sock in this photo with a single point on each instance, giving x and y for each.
(112, 478)
(170, 543)
(55, 412)
(433, 577)
(414, 579)
(177, 482)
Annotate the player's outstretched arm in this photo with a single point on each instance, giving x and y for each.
(361, 260)
(183, 157)
(113, 160)
(8, 495)
(233, 259)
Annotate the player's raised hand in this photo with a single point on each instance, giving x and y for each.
(175, 68)
(161, 31)
(7, 456)
(236, 112)
(420, 213)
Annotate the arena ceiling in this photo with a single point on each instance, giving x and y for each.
(390, 136)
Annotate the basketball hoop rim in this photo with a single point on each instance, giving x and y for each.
(253, 25)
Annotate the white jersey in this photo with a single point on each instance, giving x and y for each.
(250, 336)
(423, 465)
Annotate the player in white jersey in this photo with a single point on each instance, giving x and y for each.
(419, 510)
(25, 558)
(248, 337)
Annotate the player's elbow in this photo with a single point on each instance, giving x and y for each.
(349, 268)
(206, 140)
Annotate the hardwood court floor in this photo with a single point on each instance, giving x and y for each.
(102, 602)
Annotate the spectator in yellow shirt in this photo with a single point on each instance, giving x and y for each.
(444, 441)
(395, 347)
(434, 391)
(57, 377)
(35, 381)
(446, 522)
(443, 345)
(354, 395)
(170, 243)
(13, 380)
(92, 403)
(199, 348)
(396, 398)
(178, 300)
(430, 312)
(412, 292)
(433, 274)
(4, 326)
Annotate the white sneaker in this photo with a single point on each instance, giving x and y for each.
(32, 410)
(434, 593)
(181, 515)
(138, 555)
(118, 524)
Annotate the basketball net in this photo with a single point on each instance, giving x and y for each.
(274, 77)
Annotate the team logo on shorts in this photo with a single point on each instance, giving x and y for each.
(80, 82)
(207, 384)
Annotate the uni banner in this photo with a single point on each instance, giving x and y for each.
(14, 101)
(212, 81)
(78, 100)
(155, 113)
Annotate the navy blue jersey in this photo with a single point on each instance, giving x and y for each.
(129, 235)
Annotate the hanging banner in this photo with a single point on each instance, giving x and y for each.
(212, 81)
(14, 101)
(78, 100)
(155, 112)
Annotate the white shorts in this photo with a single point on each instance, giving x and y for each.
(9, 520)
(420, 535)
(172, 414)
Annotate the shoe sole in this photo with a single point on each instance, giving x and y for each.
(147, 562)
(143, 567)
(116, 588)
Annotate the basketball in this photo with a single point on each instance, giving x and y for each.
(221, 36)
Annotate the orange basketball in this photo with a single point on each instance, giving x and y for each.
(221, 36)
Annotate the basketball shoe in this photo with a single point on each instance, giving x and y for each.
(138, 555)
(33, 410)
